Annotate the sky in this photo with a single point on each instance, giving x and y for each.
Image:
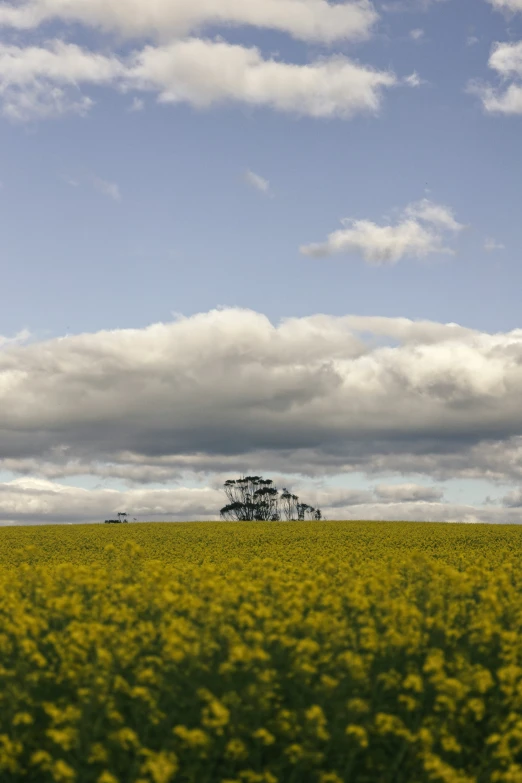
(278, 237)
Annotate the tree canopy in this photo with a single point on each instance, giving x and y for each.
(253, 498)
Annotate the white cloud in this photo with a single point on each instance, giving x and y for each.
(491, 244)
(378, 244)
(257, 182)
(110, 189)
(417, 34)
(418, 233)
(57, 62)
(204, 73)
(399, 6)
(506, 5)
(497, 101)
(39, 82)
(437, 214)
(308, 20)
(506, 60)
(44, 81)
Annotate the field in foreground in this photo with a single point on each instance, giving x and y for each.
(261, 653)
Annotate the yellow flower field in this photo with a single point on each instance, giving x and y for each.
(314, 652)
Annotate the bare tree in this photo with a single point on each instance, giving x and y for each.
(253, 498)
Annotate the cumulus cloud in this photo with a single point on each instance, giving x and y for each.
(418, 232)
(506, 60)
(203, 73)
(498, 101)
(227, 391)
(308, 20)
(44, 81)
(39, 82)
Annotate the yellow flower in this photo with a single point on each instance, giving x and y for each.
(264, 736)
(358, 734)
(295, 752)
(107, 777)
(161, 766)
(316, 717)
(10, 751)
(62, 772)
(98, 754)
(23, 719)
(236, 749)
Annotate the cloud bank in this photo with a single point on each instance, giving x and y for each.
(228, 392)
(34, 501)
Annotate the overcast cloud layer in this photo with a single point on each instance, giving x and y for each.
(228, 391)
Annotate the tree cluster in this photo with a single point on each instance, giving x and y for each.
(253, 498)
(122, 517)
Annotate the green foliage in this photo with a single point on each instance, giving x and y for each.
(253, 498)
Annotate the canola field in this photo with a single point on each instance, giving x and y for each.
(317, 652)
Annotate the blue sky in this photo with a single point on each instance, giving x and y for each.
(120, 211)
